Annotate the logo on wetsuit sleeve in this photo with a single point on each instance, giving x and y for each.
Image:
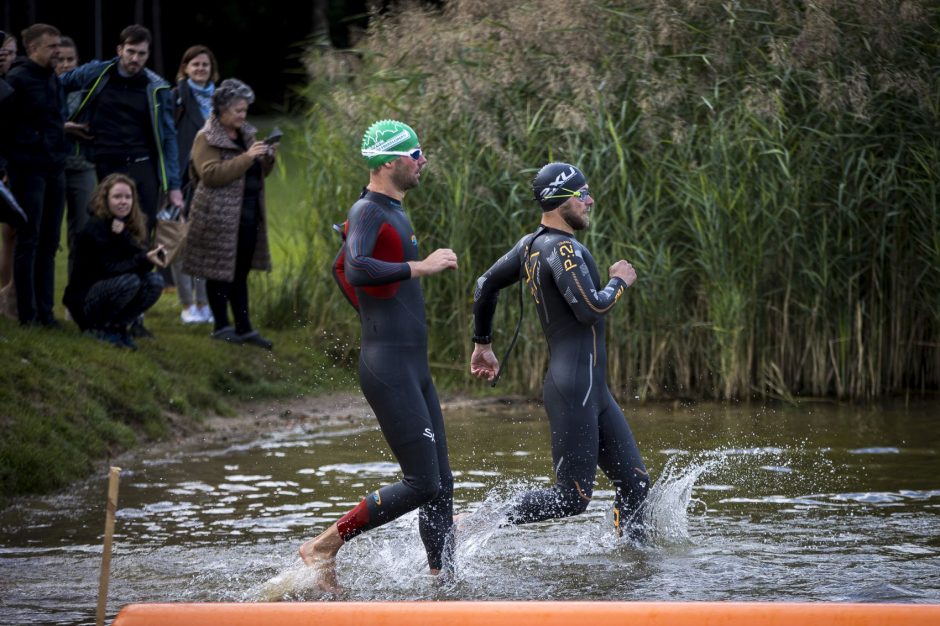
(567, 252)
(427, 433)
(414, 240)
(377, 498)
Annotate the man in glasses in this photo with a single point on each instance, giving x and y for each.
(588, 428)
(377, 268)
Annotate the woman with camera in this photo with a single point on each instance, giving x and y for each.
(228, 232)
(112, 281)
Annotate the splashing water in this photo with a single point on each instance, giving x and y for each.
(664, 514)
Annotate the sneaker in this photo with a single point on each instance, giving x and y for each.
(138, 330)
(106, 336)
(50, 323)
(228, 334)
(126, 341)
(191, 315)
(254, 338)
(205, 314)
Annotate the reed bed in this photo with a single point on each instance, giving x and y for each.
(769, 168)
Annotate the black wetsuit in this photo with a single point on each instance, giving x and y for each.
(588, 428)
(372, 269)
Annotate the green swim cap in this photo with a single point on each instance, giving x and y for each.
(387, 136)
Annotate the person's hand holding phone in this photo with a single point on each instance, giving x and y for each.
(157, 256)
(275, 137)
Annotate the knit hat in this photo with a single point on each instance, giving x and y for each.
(386, 140)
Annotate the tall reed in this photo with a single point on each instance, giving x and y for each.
(770, 170)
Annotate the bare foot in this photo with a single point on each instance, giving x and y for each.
(320, 553)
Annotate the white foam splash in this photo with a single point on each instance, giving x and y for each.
(664, 514)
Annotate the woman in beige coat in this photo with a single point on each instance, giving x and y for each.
(228, 232)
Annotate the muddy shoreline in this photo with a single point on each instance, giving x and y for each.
(310, 413)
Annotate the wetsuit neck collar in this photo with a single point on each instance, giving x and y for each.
(550, 229)
(381, 198)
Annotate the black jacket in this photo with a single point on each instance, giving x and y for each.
(5, 92)
(34, 117)
(189, 121)
(101, 254)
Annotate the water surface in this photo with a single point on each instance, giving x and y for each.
(817, 503)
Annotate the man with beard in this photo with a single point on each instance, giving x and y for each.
(377, 269)
(36, 148)
(588, 428)
(127, 111)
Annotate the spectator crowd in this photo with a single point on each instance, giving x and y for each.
(109, 146)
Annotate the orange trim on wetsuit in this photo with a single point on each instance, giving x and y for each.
(588, 428)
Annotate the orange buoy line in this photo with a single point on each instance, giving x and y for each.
(529, 614)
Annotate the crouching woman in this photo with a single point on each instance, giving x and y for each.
(112, 281)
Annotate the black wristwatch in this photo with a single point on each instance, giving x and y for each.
(484, 339)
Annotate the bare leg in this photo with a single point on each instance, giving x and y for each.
(320, 553)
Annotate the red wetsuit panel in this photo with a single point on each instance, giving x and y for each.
(350, 524)
(387, 248)
(339, 273)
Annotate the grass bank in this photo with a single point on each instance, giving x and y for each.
(69, 402)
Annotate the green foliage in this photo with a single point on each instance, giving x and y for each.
(768, 167)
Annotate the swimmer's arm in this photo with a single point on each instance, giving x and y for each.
(574, 282)
(486, 294)
(367, 231)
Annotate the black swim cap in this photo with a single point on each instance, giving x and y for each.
(555, 183)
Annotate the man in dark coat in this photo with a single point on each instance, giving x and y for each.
(36, 150)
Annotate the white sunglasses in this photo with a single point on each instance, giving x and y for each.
(414, 154)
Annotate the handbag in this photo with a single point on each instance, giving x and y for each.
(170, 232)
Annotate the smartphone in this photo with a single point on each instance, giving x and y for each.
(274, 137)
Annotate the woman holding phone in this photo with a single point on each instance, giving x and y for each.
(112, 281)
(228, 234)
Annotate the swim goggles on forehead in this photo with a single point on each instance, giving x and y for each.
(414, 154)
(582, 194)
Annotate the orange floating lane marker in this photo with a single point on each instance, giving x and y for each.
(529, 614)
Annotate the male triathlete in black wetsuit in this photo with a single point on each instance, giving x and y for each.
(375, 268)
(588, 428)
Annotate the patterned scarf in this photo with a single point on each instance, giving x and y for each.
(203, 96)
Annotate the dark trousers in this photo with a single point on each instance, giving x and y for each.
(41, 193)
(144, 175)
(221, 293)
(113, 303)
(79, 187)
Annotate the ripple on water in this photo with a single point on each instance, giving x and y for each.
(376, 468)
